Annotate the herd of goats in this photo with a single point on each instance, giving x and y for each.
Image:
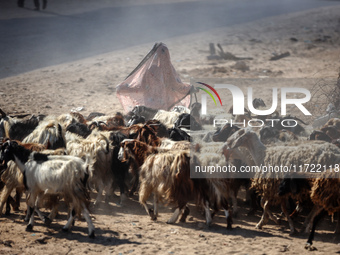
(149, 151)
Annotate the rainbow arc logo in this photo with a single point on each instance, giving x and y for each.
(209, 93)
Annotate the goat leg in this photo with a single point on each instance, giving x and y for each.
(9, 201)
(289, 219)
(185, 214)
(134, 186)
(228, 214)
(317, 218)
(208, 217)
(16, 204)
(234, 202)
(308, 223)
(6, 191)
(265, 215)
(155, 204)
(70, 221)
(88, 220)
(30, 211)
(174, 216)
(337, 228)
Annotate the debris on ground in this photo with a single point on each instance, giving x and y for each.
(277, 57)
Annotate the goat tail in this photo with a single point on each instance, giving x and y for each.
(88, 164)
(81, 188)
(182, 186)
(88, 170)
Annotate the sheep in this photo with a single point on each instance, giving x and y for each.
(66, 175)
(294, 154)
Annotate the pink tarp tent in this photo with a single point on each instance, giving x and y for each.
(154, 83)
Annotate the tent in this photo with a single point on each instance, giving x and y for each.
(154, 83)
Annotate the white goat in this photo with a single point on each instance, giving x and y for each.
(43, 174)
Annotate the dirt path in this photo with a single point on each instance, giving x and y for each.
(90, 83)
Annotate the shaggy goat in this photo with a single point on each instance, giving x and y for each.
(66, 175)
(16, 128)
(98, 146)
(147, 112)
(137, 152)
(325, 195)
(49, 132)
(167, 176)
(294, 154)
(167, 118)
(319, 135)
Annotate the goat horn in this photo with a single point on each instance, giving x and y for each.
(184, 126)
(101, 122)
(295, 118)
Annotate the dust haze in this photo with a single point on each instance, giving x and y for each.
(58, 35)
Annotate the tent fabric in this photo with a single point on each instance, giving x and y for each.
(154, 83)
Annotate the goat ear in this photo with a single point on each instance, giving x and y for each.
(236, 139)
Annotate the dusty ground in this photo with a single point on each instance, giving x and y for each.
(90, 83)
